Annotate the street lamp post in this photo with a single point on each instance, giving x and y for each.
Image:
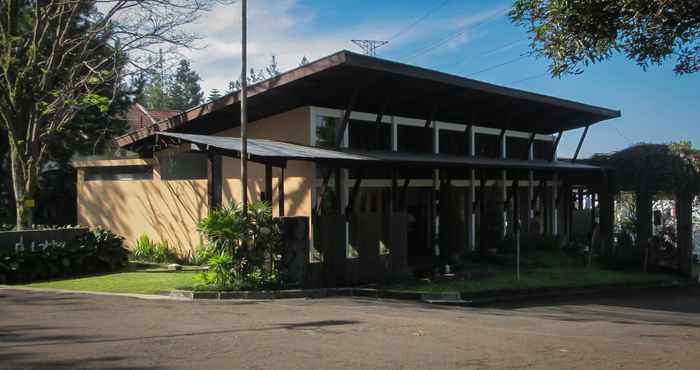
(244, 110)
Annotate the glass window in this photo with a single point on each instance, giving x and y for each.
(326, 131)
(118, 173)
(486, 145)
(365, 135)
(453, 142)
(516, 147)
(413, 139)
(183, 166)
(542, 149)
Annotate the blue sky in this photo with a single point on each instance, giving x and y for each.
(474, 39)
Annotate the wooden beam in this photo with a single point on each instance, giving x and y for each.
(340, 131)
(353, 195)
(530, 142)
(324, 189)
(553, 155)
(580, 143)
(404, 189)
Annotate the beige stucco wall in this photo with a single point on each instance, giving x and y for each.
(163, 210)
(292, 126)
(169, 210)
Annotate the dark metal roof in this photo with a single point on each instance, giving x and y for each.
(269, 151)
(405, 90)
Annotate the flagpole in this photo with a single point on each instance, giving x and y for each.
(244, 109)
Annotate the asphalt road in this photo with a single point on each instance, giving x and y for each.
(76, 331)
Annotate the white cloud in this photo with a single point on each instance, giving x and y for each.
(291, 31)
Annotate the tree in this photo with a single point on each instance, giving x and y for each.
(184, 91)
(57, 57)
(213, 95)
(574, 34)
(271, 70)
(304, 61)
(156, 85)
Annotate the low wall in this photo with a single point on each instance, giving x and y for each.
(35, 240)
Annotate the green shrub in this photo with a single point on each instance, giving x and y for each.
(162, 253)
(143, 250)
(149, 251)
(99, 250)
(202, 255)
(250, 241)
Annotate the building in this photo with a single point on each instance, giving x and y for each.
(394, 165)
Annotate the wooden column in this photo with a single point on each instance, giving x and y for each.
(268, 184)
(644, 219)
(280, 198)
(607, 213)
(684, 227)
(214, 181)
(483, 227)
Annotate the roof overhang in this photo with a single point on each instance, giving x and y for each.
(278, 153)
(378, 84)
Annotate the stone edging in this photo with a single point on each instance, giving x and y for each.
(450, 298)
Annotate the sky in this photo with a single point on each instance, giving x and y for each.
(474, 39)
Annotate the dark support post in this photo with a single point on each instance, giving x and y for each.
(404, 189)
(684, 227)
(482, 212)
(516, 226)
(353, 195)
(338, 190)
(607, 213)
(340, 133)
(280, 187)
(553, 156)
(322, 195)
(644, 219)
(530, 142)
(467, 138)
(394, 192)
(268, 184)
(580, 143)
(570, 216)
(214, 180)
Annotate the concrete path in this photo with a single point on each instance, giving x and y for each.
(49, 330)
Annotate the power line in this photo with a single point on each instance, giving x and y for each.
(370, 46)
(498, 65)
(527, 78)
(417, 21)
(482, 54)
(445, 40)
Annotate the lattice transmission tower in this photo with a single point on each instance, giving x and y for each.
(370, 46)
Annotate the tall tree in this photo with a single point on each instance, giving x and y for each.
(184, 91)
(57, 57)
(213, 95)
(574, 34)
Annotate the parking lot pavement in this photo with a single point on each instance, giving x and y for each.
(42, 330)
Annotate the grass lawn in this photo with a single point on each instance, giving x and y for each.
(536, 278)
(124, 282)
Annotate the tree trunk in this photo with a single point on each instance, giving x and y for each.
(23, 190)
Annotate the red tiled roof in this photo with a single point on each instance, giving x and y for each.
(138, 117)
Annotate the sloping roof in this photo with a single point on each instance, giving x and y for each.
(139, 118)
(260, 150)
(404, 90)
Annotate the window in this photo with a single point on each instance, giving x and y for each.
(542, 149)
(453, 142)
(183, 166)
(516, 147)
(486, 145)
(326, 131)
(115, 173)
(414, 139)
(365, 135)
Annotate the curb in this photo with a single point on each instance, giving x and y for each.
(65, 291)
(440, 298)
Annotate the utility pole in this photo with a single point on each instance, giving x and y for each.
(244, 110)
(370, 46)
